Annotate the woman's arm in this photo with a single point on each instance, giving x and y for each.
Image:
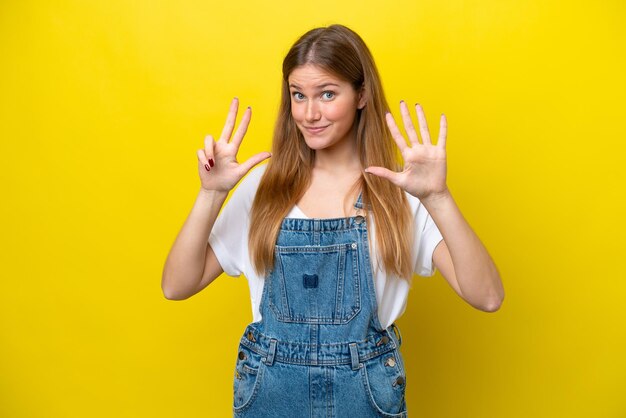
(461, 258)
(191, 264)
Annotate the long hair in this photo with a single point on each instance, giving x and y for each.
(341, 52)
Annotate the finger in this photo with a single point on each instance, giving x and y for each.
(395, 132)
(202, 160)
(243, 127)
(421, 118)
(209, 143)
(254, 160)
(443, 131)
(408, 123)
(385, 173)
(230, 121)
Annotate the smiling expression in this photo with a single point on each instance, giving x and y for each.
(323, 106)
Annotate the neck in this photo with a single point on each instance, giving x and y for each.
(340, 159)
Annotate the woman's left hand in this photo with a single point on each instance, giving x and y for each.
(424, 174)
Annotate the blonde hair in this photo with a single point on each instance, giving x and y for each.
(341, 52)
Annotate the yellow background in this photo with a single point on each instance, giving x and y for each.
(104, 104)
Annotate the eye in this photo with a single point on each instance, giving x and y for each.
(328, 95)
(297, 96)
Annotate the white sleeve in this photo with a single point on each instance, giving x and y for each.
(229, 236)
(427, 237)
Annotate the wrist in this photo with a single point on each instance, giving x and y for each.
(438, 198)
(212, 194)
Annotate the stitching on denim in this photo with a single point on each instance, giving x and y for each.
(255, 390)
(370, 396)
(339, 316)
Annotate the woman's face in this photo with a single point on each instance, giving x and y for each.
(323, 106)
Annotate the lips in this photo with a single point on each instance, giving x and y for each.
(315, 129)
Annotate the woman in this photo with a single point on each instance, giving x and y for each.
(328, 234)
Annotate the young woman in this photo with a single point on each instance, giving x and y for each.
(328, 234)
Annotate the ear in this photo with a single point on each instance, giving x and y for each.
(362, 98)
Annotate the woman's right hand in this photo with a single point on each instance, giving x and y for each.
(217, 162)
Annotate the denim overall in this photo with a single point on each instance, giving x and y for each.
(319, 349)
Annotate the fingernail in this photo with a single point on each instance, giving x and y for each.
(401, 101)
(211, 162)
(207, 167)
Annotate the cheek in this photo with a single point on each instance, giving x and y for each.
(296, 112)
(344, 113)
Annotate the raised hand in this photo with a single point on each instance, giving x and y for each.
(217, 162)
(424, 174)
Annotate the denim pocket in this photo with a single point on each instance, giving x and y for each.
(315, 284)
(384, 380)
(248, 376)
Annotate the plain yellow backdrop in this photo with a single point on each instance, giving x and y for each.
(103, 105)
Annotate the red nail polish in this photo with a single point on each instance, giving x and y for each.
(211, 162)
(207, 167)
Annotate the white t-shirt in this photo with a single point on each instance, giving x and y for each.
(229, 240)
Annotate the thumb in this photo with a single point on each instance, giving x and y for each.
(254, 160)
(385, 173)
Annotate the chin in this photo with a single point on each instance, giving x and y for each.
(316, 143)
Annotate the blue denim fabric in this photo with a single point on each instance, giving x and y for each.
(320, 350)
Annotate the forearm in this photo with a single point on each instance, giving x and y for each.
(185, 263)
(475, 271)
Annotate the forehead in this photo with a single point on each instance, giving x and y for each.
(310, 75)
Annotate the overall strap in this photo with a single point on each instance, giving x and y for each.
(359, 201)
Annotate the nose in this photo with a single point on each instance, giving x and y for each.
(312, 111)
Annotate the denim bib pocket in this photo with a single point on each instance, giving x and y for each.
(315, 284)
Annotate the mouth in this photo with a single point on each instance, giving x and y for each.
(315, 129)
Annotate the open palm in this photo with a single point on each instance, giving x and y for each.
(217, 163)
(424, 173)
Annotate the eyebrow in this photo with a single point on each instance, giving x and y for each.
(321, 86)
